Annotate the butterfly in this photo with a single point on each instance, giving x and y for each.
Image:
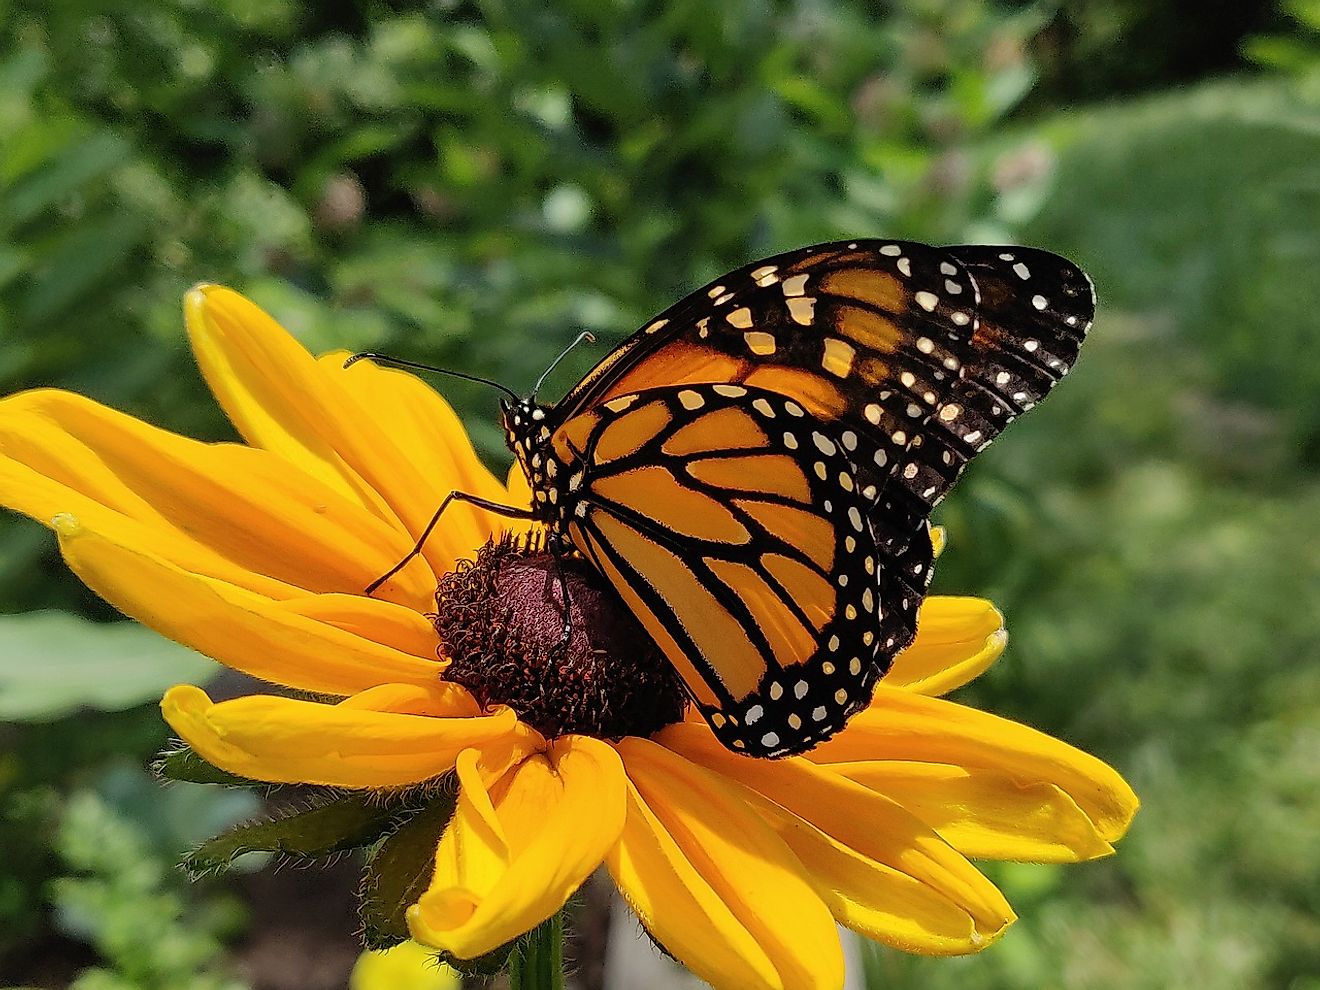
(753, 470)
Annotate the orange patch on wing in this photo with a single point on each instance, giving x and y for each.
(772, 474)
(791, 642)
(724, 429)
(810, 262)
(570, 440)
(679, 363)
(653, 492)
(813, 593)
(719, 638)
(696, 683)
(867, 285)
(808, 532)
(869, 329)
(874, 371)
(821, 396)
(630, 432)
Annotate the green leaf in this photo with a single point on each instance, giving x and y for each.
(398, 874)
(183, 764)
(348, 823)
(74, 167)
(53, 664)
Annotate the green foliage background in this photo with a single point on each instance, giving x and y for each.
(471, 184)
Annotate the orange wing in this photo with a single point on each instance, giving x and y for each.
(922, 354)
(731, 521)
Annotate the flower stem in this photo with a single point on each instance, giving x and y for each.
(540, 965)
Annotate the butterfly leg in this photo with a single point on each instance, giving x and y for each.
(557, 550)
(511, 511)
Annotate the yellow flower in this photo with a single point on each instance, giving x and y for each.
(256, 555)
(407, 966)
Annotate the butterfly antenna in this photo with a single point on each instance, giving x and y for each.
(585, 335)
(401, 363)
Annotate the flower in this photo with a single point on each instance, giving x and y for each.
(407, 965)
(256, 555)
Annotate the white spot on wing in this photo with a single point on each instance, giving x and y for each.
(802, 309)
(740, 318)
(796, 285)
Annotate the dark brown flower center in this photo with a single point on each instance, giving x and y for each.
(501, 620)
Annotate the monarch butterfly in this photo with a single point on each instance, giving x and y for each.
(753, 470)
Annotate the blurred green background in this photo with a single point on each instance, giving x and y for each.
(471, 184)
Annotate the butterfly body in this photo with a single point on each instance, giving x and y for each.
(753, 470)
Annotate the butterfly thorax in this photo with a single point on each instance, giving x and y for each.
(528, 433)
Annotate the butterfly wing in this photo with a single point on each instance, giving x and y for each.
(731, 521)
(924, 354)
(905, 359)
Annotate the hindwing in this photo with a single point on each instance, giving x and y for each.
(730, 519)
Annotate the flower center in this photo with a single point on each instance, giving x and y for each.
(501, 620)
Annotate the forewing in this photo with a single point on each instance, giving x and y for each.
(731, 520)
(920, 355)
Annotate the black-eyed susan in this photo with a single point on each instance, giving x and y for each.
(565, 757)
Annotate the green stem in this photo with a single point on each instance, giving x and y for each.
(540, 964)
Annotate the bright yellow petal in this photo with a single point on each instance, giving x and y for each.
(986, 814)
(386, 623)
(957, 639)
(705, 846)
(281, 399)
(243, 630)
(416, 737)
(270, 388)
(680, 907)
(520, 495)
(248, 506)
(881, 870)
(518, 847)
(406, 966)
(426, 426)
(939, 539)
(901, 725)
(34, 491)
(520, 492)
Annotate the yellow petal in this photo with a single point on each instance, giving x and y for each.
(520, 495)
(881, 870)
(270, 387)
(957, 639)
(243, 630)
(714, 884)
(680, 907)
(248, 506)
(518, 846)
(386, 623)
(520, 492)
(901, 725)
(406, 966)
(426, 426)
(281, 399)
(939, 539)
(986, 814)
(416, 737)
(34, 491)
